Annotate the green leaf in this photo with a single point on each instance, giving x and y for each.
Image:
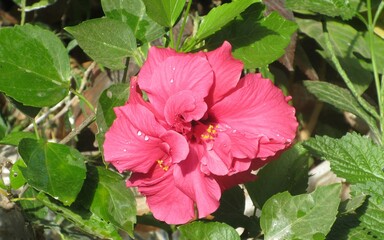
(332, 8)
(348, 44)
(112, 200)
(306, 216)
(211, 230)
(287, 173)
(33, 210)
(353, 157)
(164, 12)
(134, 15)
(34, 66)
(372, 214)
(37, 5)
(220, 16)
(115, 95)
(107, 41)
(14, 138)
(256, 40)
(3, 129)
(86, 221)
(52, 168)
(340, 98)
(16, 176)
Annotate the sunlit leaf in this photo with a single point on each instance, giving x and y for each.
(164, 12)
(211, 230)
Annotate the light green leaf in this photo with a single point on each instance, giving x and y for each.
(208, 230)
(86, 221)
(16, 176)
(348, 43)
(307, 216)
(221, 16)
(262, 43)
(164, 12)
(34, 66)
(332, 8)
(115, 95)
(340, 98)
(287, 173)
(52, 168)
(107, 41)
(110, 199)
(353, 157)
(133, 13)
(14, 138)
(36, 5)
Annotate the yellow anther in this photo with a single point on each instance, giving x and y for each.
(164, 167)
(210, 133)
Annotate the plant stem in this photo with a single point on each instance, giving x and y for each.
(171, 38)
(84, 100)
(378, 84)
(23, 3)
(183, 25)
(126, 69)
(36, 130)
(345, 77)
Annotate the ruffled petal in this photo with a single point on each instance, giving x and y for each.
(259, 109)
(166, 201)
(203, 189)
(155, 57)
(136, 141)
(227, 71)
(181, 108)
(178, 73)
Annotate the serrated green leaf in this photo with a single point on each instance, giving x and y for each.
(34, 66)
(86, 221)
(340, 98)
(16, 176)
(164, 12)
(262, 43)
(353, 157)
(347, 42)
(134, 15)
(221, 16)
(332, 8)
(107, 41)
(298, 217)
(52, 168)
(115, 95)
(208, 230)
(287, 173)
(14, 138)
(109, 198)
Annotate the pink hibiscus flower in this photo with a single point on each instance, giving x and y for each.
(202, 131)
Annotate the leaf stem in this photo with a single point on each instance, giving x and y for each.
(186, 13)
(367, 107)
(81, 96)
(22, 21)
(126, 69)
(36, 130)
(379, 86)
(171, 38)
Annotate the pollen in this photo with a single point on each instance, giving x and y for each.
(210, 133)
(162, 165)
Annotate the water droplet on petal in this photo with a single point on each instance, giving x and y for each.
(171, 81)
(234, 131)
(124, 150)
(139, 133)
(289, 140)
(146, 138)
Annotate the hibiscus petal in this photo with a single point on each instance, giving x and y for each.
(155, 57)
(178, 73)
(182, 108)
(134, 141)
(227, 182)
(258, 108)
(203, 189)
(227, 71)
(165, 200)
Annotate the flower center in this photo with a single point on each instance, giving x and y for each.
(162, 165)
(210, 133)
